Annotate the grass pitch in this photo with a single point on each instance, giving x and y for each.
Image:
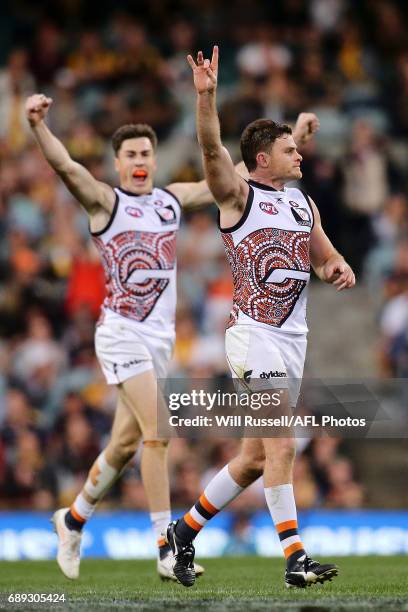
(229, 584)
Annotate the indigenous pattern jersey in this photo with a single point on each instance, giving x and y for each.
(138, 250)
(268, 250)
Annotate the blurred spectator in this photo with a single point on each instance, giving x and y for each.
(366, 186)
(46, 55)
(16, 83)
(38, 360)
(241, 538)
(86, 285)
(264, 55)
(344, 492)
(30, 481)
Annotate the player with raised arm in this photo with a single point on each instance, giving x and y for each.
(272, 234)
(134, 229)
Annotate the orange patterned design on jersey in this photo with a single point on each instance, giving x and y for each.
(252, 262)
(128, 252)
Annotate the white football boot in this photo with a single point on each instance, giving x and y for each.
(69, 542)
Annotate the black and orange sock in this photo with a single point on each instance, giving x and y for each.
(290, 541)
(194, 520)
(73, 520)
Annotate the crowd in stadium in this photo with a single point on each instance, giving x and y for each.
(277, 59)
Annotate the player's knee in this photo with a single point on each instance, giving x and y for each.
(155, 443)
(252, 465)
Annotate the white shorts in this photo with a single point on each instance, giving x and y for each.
(266, 359)
(123, 350)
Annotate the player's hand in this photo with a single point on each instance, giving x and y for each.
(205, 72)
(338, 273)
(36, 108)
(306, 126)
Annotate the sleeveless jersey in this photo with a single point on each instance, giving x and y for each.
(268, 250)
(138, 250)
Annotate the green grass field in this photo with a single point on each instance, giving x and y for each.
(247, 583)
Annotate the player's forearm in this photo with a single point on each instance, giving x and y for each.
(53, 149)
(198, 196)
(208, 125)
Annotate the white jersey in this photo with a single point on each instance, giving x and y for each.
(138, 250)
(268, 250)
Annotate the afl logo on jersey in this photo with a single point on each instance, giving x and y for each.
(293, 204)
(269, 208)
(134, 212)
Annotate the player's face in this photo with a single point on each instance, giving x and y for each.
(136, 165)
(284, 159)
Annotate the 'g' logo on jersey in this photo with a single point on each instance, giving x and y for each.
(268, 207)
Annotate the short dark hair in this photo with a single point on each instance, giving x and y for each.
(133, 130)
(260, 136)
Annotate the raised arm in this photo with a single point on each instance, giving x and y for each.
(192, 195)
(93, 195)
(230, 191)
(327, 263)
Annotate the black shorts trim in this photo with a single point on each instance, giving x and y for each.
(247, 210)
(113, 215)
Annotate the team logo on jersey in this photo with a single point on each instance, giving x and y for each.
(269, 208)
(302, 216)
(293, 204)
(134, 212)
(166, 214)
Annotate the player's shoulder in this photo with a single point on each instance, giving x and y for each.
(294, 193)
(169, 192)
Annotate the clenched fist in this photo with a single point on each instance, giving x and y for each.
(338, 273)
(36, 108)
(306, 126)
